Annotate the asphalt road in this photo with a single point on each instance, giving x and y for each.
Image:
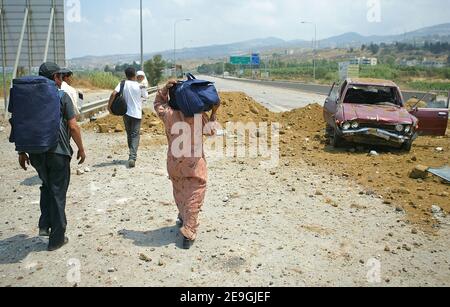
(275, 98)
(308, 88)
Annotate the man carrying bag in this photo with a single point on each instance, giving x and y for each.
(130, 93)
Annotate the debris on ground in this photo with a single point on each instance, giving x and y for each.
(303, 140)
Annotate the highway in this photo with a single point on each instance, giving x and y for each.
(275, 97)
(318, 89)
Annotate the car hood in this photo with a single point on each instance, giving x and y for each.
(377, 113)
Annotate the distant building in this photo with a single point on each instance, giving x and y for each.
(424, 63)
(409, 63)
(364, 61)
(432, 64)
(289, 52)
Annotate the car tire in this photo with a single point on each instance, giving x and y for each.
(335, 139)
(407, 146)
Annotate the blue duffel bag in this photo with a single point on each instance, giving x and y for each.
(35, 105)
(194, 96)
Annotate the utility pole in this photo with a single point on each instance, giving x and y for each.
(175, 42)
(142, 41)
(315, 45)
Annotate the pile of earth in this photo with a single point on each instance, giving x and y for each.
(302, 139)
(115, 124)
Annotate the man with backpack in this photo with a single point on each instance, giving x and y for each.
(43, 122)
(133, 94)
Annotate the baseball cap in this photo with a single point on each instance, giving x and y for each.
(140, 73)
(48, 69)
(66, 71)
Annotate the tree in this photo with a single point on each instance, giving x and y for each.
(108, 69)
(374, 48)
(154, 69)
(448, 60)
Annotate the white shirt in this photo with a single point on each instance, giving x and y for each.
(133, 94)
(73, 94)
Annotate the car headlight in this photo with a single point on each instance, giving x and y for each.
(407, 129)
(355, 125)
(346, 126)
(399, 128)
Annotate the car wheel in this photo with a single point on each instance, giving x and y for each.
(328, 131)
(335, 139)
(407, 146)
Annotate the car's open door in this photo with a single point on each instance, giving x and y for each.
(434, 120)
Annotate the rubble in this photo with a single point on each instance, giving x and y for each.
(419, 172)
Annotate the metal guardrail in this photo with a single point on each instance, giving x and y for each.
(100, 104)
(319, 89)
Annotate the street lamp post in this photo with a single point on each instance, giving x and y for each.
(315, 44)
(175, 42)
(142, 41)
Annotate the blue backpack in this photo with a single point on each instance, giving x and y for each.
(35, 105)
(194, 96)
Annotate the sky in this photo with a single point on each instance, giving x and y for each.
(108, 27)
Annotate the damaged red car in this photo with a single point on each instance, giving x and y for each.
(371, 111)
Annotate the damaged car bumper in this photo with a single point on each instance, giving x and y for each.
(381, 134)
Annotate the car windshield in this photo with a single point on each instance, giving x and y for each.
(376, 95)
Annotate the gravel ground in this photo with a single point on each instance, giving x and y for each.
(284, 227)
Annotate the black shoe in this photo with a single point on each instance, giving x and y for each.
(187, 244)
(56, 247)
(44, 232)
(180, 222)
(131, 164)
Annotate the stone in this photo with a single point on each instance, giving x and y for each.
(80, 172)
(153, 124)
(87, 170)
(373, 153)
(112, 270)
(226, 199)
(319, 193)
(436, 209)
(419, 172)
(144, 258)
(254, 110)
(2, 129)
(118, 128)
(103, 128)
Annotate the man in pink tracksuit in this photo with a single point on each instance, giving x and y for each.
(188, 170)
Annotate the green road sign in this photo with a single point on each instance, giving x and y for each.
(240, 60)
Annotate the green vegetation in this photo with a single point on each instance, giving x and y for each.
(154, 69)
(103, 80)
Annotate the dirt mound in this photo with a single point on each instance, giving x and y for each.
(240, 107)
(109, 124)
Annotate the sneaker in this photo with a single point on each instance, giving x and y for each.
(131, 164)
(187, 244)
(44, 232)
(180, 222)
(56, 247)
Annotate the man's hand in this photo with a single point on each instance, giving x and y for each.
(81, 156)
(24, 160)
(170, 84)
